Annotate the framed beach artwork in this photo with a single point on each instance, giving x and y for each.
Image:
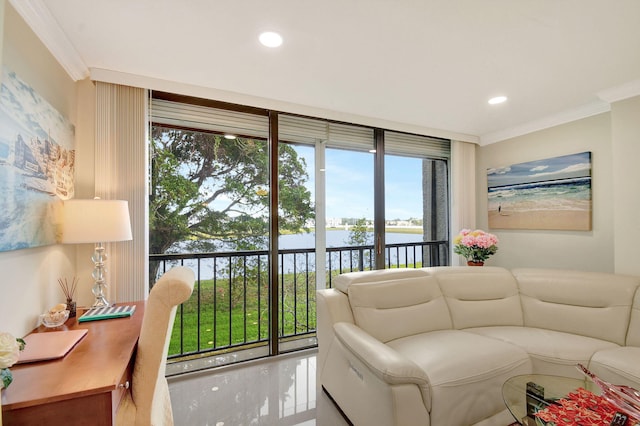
(37, 165)
(553, 194)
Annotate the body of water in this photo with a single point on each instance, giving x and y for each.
(566, 194)
(301, 262)
(339, 238)
(26, 215)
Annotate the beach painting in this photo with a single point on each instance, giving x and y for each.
(550, 194)
(37, 165)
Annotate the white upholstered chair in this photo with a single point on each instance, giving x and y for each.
(147, 401)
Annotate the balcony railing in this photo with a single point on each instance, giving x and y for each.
(229, 307)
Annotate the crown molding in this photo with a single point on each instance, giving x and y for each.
(593, 108)
(619, 93)
(606, 98)
(44, 25)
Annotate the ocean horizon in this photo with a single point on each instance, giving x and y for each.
(563, 194)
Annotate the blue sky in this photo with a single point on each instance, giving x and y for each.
(562, 167)
(349, 183)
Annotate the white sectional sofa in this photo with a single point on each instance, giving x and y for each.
(433, 346)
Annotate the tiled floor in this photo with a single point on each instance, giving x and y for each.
(265, 392)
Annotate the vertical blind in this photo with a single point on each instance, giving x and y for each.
(121, 173)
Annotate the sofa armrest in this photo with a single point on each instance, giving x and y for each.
(383, 361)
(332, 306)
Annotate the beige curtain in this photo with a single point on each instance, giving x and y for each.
(463, 190)
(121, 172)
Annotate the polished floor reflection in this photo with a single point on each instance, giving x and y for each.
(266, 392)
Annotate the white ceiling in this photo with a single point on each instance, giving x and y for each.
(425, 63)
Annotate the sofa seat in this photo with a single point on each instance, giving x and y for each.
(552, 352)
(618, 365)
(466, 372)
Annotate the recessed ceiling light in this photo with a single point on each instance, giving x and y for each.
(497, 100)
(270, 39)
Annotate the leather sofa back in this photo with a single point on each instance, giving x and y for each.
(480, 296)
(585, 303)
(393, 303)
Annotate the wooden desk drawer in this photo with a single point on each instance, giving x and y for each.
(82, 411)
(123, 386)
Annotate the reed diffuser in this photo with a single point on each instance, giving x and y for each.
(69, 290)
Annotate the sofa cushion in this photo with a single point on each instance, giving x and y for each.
(620, 366)
(552, 352)
(398, 306)
(480, 297)
(585, 303)
(466, 372)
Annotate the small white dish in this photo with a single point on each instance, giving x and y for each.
(55, 319)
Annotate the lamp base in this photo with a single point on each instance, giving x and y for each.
(99, 257)
(100, 302)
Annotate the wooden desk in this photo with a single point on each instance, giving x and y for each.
(86, 386)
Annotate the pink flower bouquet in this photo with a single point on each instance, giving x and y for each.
(475, 246)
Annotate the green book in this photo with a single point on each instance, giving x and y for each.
(107, 312)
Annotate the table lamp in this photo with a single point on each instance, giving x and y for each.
(96, 221)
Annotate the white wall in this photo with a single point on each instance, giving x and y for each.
(585, 250)
(29, 282)
(625, 126)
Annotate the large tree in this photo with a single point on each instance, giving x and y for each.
(359, 236)
(206, 189)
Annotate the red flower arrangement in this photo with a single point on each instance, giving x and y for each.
(581, 408)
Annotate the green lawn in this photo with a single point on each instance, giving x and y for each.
(246, 321)
(229, 315)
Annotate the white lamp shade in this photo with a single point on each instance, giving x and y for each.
(95, 221)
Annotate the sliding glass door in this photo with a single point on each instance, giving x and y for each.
(337, 237)
(416, 201)
(268, 207)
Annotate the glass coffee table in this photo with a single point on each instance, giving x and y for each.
(543, 389)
